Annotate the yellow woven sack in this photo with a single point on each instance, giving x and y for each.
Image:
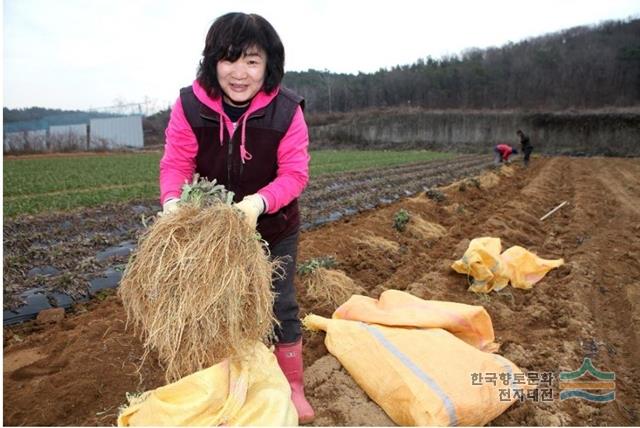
(238, 393)
(493, 271)
(397, 308)
(525, 268)
(420, 375)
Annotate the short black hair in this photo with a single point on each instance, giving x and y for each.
(229, 37)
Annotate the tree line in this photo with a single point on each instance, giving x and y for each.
(581, 67)
(36, 113)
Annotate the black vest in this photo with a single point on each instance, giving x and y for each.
(265, 129)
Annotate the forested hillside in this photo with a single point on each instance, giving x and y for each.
(582, 67)
(587, 67)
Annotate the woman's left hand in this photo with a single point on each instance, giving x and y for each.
(251, 206)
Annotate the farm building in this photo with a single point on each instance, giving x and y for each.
(98, 134)
(116, 132)
(64, 137)
(31, 141)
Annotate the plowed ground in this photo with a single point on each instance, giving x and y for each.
(77, 372)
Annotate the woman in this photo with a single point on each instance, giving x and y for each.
(237, 125)
(502, 152)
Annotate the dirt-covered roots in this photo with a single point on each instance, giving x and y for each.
(376, 243)
(328, 288)
(198, 289)
(425, 230)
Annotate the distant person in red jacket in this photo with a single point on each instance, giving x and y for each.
(502, 153)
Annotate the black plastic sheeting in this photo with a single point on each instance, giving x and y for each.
(37, 299)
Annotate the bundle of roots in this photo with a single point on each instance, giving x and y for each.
(329, 288)
(198, 288)
(425, 230)
(377, 243)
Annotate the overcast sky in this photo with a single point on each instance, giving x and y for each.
(78, 54)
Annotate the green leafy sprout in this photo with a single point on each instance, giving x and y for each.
(400, 220)
(202, 192)
(311, 265)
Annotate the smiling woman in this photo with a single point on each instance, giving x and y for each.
(242, 54)
(242, 79)
(237, 126)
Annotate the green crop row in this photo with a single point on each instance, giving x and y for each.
(69, 200)
(41, 175)
(52, 183)
(331, 161)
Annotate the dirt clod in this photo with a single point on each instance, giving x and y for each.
(49, 316)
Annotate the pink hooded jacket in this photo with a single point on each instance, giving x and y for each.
(505, 151)
(178, 162)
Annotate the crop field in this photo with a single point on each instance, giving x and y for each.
(79, 370)
(33, 185)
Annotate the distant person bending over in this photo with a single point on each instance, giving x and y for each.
(525, 145)
(238, 125)
(502, 153)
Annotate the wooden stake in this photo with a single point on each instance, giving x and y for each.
(553, 210)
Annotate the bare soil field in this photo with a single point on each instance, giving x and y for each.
(65, 252)
(78, 371)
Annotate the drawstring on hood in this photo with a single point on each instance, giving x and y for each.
(244, 154)
(221, 128)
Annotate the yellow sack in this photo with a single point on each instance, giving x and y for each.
(397, 308)
(493, 271)
(421, 375)
(249, 392)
